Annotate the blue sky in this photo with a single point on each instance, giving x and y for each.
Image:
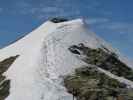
(110, 19)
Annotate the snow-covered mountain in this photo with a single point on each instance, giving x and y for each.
(37, 63)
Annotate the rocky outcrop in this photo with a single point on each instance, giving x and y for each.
(87, 83)
(58, 20)
(5, 84)
(104, 59)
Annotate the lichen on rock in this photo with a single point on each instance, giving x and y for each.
(103, 58)
(88, 83)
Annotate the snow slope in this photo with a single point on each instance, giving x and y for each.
(44, 59)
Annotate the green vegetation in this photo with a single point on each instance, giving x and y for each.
(87, 83)
(5, 84)
(104, 59)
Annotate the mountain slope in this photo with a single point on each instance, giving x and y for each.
(44, 59)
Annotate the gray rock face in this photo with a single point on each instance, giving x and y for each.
(88, 83)
(5, 84)
(104, 59)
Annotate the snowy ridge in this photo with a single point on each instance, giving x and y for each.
(45, 59)
(29, 41)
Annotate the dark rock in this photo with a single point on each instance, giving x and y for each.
(5, 84)
(4, 90)
(5, 64)
(58, 20)
(73, 50)
(103, 58)
(87, 83)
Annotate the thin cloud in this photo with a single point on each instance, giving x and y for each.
(1, 10)
(93, 4)
(96, 20)
(23, 4)
(49, 9)
(121, 27)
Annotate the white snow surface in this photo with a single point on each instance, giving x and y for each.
(44, 59)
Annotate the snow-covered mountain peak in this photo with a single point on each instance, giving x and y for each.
(36, 37)
(45, 56)
(42, 55)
